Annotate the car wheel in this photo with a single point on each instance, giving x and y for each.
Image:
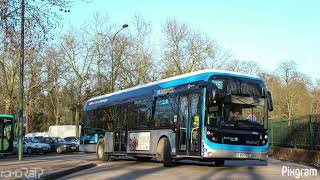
(29, 151)
(59, 150)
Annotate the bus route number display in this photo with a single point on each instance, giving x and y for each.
(218, 83)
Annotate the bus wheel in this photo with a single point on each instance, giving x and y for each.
(219, 162)
(102, 156)
(164, 152)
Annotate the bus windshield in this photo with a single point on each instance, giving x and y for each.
(237, 104)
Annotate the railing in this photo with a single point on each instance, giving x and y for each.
(302, 132)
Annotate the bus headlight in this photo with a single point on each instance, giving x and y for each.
(212, 135)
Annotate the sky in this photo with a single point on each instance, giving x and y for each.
(267, 32)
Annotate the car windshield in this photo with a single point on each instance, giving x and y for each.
(60, 140)
(42, 140)
(35, 141)
(71, 139)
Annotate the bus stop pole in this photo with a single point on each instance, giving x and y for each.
(21, 98)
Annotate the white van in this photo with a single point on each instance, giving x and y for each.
(62, 131)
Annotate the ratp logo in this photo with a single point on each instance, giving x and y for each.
(28, 173)
(298, 173)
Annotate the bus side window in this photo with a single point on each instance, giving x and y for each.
(165, 109)
(132, 116)
(144, 114)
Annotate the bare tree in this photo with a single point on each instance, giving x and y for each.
(315, 100)
(101, 50)
(185, 50)
(76, 53)
(54, 71)
(41, 16)
(294, 89)
(236, 65)
(33, 86)
(137, 67)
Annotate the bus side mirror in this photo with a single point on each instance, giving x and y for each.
(270, 103)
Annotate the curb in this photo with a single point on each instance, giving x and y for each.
(301, 156)
(65, 172)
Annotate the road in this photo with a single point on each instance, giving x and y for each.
(127, 168)
(11, 168)
(49, 156)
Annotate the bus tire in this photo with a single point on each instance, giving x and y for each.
(164, 152)
(219, 162)
(101, 155)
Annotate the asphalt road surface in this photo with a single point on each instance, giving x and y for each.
(49, 156)
(129, 169)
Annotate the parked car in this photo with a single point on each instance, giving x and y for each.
(59, 145)
(15, 147)
(32, 145)
(72, 139)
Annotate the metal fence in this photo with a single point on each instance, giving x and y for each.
(303, 132)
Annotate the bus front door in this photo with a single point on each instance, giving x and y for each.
(188, 135)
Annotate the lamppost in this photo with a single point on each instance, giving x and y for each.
(21, 88)
(112, 55)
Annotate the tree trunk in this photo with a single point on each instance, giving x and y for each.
(77, 119)
(8, 105)
(27, 117)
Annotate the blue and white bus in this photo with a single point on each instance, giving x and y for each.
(209, 115)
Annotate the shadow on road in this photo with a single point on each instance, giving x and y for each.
(131, 169)
(229, 173)
(105, 168)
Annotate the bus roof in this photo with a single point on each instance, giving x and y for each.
(6, 116)
(150, 88)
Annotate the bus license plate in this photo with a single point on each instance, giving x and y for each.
(242, 155)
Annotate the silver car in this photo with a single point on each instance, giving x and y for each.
(32, 145)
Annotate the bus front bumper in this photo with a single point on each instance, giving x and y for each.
(225, 154)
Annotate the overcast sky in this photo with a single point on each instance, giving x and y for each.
(267, 32)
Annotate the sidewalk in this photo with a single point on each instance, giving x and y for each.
(41, 166)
